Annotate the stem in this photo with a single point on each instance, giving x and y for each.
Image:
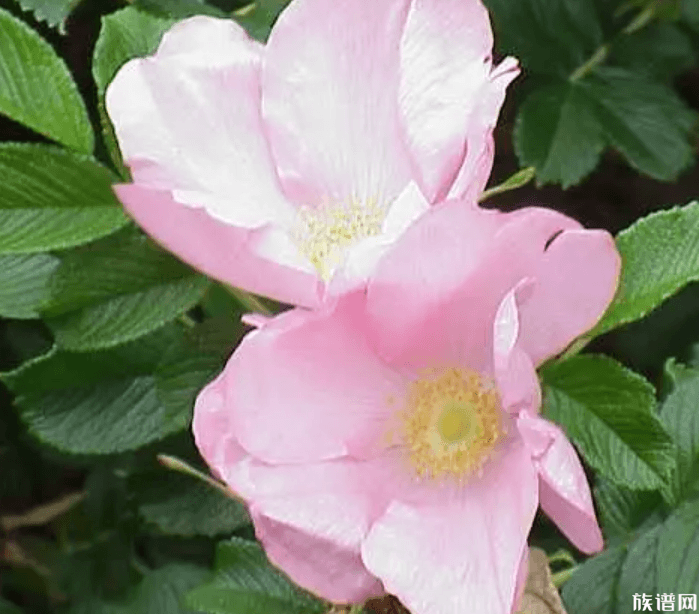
(561, 577)
(520, 178)
(249, 301)
(176, 464)
(187, 321)
(642, 19)
(599, 56)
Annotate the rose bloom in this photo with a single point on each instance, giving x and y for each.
(287, 169)
(390, 442)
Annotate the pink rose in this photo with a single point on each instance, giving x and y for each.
(390, 442)
(288, 169)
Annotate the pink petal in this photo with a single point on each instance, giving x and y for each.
(435, 293)
(459, 553)
(215, 248)
(212, 429)
(480, 148)
(515, 374)
(307, 387)
(173, 117)
(576, 281)
(564, 491)
(522, 573)
(449, 96)
(330, 86)
(318, 565)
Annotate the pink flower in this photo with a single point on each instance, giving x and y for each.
(391, 442)
(285, 168)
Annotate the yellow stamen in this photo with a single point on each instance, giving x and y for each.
(450, 424)
(327, 231)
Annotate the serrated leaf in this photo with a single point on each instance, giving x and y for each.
(193, 363)
(637, 573)
(592, 588)
(27, 65)
(127, 317)
(179, 505)
(660, 51)
(161, 591)
(547, 37)
(557, 132)
(53, 12)
(608, 412)
(125, 34)
(97, 403)
(624, 512)
(53, 199)
(24, 284)
(677, 566)
(116, 290)
(680, 415)
(644, 120)
(246, 583)
(660, 255)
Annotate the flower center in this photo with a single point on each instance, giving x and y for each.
(451, 423)
(325, 233)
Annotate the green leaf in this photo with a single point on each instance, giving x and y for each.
(53, 199)
(608, 412)
(681, 419)
(116, 290)
(624, 512)
(638, 570)
(677, 561)
(659, 51)
(644, 120)
(96, 403)
(246, 583)
(24, 284)
(125, 34)
(162, 591)
(547, 37)
(195, 361)
(660, 255)
(28, 65)
(557, 132)
(259, 17)
(53, 12)
(593, 586)
(180, 505)
(179, 9)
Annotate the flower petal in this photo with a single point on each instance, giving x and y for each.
(435, 294)
(218, 249)
(459, 553)
(475, 169)
(515, 374)
(576, 280)
(330, 86)
(306, 387)
(449, 96)
(172, 116)
(318, 565)
(564, 491)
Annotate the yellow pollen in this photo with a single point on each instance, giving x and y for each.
(327, 231)
(451, 423)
